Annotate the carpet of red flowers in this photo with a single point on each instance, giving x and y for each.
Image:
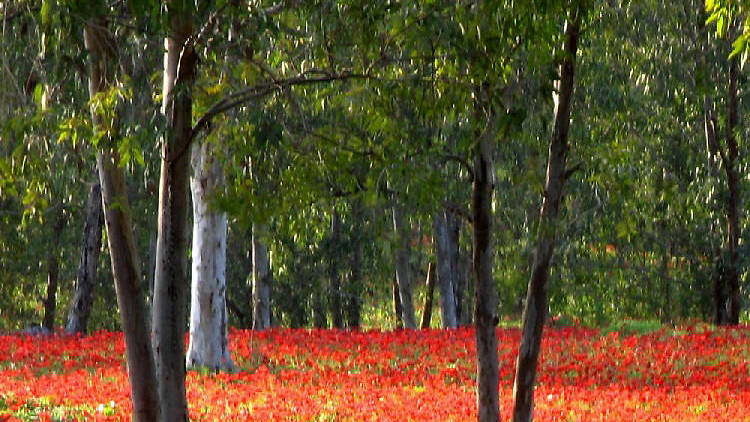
(696, 373)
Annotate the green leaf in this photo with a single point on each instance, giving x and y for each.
(44, 12)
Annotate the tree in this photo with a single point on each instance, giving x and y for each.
(117, 216)
(209, 328)
(80, 307)
(535, 310)
(262, 278)
(445, 253)
(403, 270)
(170, 281)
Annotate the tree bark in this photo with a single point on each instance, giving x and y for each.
(209, 331)
(403, 274)
(733, 199)
(333, 270)
(429, 292)
(485, 313)
(261, 278)
(80, 309)
(535, 310)
(397, 304)
(53, 271)
(123, 255)
(353, 289)
(171, 281)
(446, 268)
(726, 280)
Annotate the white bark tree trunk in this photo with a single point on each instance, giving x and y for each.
(261, 278)
(209, 334)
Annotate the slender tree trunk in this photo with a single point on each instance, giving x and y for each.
(403, 273)
(445, 256)
(485, 315)
(714, 154)
(171, 280)
(123, 255)
(320, 318)
(53, 272)
(333, 269)
(535, 310)
(209, 331)
(354, 286)
(733, 200)
(397, 310)
(726, 281)
(80, 309)
(261, 278)
(429, 292)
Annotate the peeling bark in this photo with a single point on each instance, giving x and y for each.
(209, 328)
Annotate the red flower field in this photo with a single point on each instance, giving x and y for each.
(693, 374)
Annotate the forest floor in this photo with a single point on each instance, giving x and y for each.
(694, 373)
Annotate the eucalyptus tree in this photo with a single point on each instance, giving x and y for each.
(536, 306)
(728, 18)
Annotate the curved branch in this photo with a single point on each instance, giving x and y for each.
(246, 95)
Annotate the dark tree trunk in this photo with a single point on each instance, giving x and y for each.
(320, 319)
(403, 269)
(429, 292)
(171, 279)
(123, 255)
(80, 309)
(485, 315)
(333, 269)
(445, 253)
(733, 200)
(397, 304)
(535, 310)
(353, 297)
(726, 280)
(53, 271)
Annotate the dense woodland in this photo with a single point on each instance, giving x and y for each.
(181, 167)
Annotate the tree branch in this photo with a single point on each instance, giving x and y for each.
(244, 96)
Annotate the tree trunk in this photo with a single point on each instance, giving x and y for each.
(535, 310)
(397, 310)
(726, 280)
(80, 309)
(446, 268)
(353, 289)
(429, 292)
(403, 273)
(733, 199)
(123, 255)
(209, 332)
(53, 271)
(170, 281)
(485, 315)
(333, 269)
(261, 278)
(320, 317)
